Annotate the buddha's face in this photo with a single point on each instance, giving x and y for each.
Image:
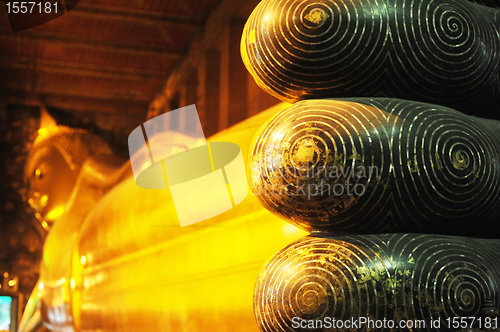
(51, 181)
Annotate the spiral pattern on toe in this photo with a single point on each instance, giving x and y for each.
(369, 165)
(314, 44)
(389, 276)
(447, 49)
(442, 51)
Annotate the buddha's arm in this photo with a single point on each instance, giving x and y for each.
(105, 171)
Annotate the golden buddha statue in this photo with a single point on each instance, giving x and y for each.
(58, 154)
(115, 253)
(68, 171)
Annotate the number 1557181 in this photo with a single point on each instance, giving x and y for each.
(31, 7)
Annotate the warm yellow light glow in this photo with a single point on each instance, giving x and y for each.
(290, 229)
(40, 285)
(60, 282)
(12, 283)
(56, 213)
(43, 131)
(6, 274)
(43, 201)
(83, 260)
(45, 225)
(237, 249)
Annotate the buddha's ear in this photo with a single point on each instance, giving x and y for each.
(80, 152)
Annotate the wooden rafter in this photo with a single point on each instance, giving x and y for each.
(93, 44)
(137, 16)
(80, 69)
(88, 105)
(69, 91)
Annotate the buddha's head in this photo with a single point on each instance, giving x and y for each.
(52, 168)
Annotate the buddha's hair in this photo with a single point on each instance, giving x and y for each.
(63, 139)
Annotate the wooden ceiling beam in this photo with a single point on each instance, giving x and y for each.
(80, 69)
(83, 105)
(93, 44)
(65, 91)
(136, 16)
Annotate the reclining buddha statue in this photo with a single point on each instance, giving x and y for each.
(68, 171)
(116, 256)
(380, 159)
